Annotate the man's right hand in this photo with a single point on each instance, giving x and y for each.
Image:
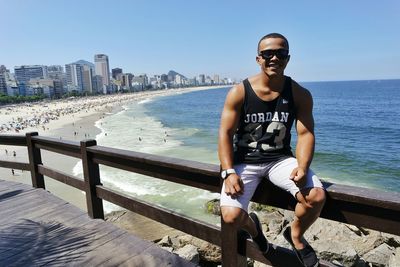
(233, 185)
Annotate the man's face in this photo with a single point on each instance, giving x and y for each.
(273, 60)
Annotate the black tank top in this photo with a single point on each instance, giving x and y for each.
(263, 133)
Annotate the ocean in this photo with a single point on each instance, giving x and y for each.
(356, 125)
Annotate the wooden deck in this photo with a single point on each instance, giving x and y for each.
(37, 229)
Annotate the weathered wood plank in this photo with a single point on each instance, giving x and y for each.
(22, 204)
(100, 250)
(64, 147)
(105, 250)
(45, 241)
(178, 221)
(14, 165)
(12, 140)
(40, 229)
(5, 189)
(77, 241)
(62, 177)
(196, 174)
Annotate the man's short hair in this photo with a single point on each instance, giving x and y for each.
(273, 35)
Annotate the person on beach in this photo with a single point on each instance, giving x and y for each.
(254, 143)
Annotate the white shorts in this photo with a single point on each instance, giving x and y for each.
(277, 172)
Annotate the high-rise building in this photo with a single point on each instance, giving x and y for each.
(102, 68)
(88, 73)
(179, 79)
(127, 80)
(3, 69)
(3, 84)
(55, 72)
(74, 77)
(164, 78)
(98, 84)
(202, 79)
(49, 87)
(140, 82)
(216, 79)
(80, 76)
(115, 72)
(26, 72)
(208, 80)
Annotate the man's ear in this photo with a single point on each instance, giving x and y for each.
(258, 60)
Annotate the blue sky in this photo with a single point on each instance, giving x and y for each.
(329, 40)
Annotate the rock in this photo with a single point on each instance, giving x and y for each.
(394, 260)
(379, 257)
(337, 263)
(272, 222)
(169, 249)
(330, 230)
(259, 264)
(189, 252)
(368, 242)
(165, 241)
(391, 240)
(288, 217)
(355, 229)
(331, 249)
(260, 207)
(208, 252)
(213, 207)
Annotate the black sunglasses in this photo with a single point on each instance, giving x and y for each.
(279, 53)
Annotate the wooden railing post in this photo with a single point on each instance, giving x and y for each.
(91, 175)
(229, 247)
(35, 158)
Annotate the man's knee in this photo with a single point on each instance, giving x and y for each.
(232, 215)
(316, 198)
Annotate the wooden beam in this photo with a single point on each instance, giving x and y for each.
(173, 219)
(13, 140)
(15, 165)
(69, 148)
(62, 177)
(191, 173)
(363, 207)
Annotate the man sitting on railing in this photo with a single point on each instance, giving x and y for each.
(254, 142)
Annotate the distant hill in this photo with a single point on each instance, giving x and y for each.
(174, 73)
(84, 62)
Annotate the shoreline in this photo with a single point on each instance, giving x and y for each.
(49, 115)
(77, 123)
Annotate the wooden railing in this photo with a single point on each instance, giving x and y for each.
(358, 206)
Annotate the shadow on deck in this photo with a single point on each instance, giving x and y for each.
(37, 228)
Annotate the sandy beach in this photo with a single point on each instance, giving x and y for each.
(68, 119)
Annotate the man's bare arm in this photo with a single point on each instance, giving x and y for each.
(229, 121)
(305, 132)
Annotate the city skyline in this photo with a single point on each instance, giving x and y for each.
(86, 78)
(110, 68)
(328, 41)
